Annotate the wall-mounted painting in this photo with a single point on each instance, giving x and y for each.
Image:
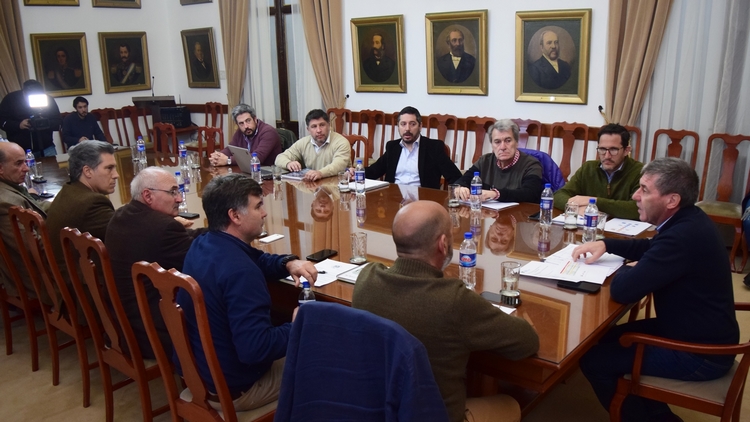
(552, 56)
(457, 52)
(200, 58)
(124, 61)
(378, 54)
(186, 2)
(50, 2)
(129, 4)
(61, 63)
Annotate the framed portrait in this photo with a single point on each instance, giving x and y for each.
(200, 58)
(378, 54)
(552, 56)
(457, 52)
(130, 4)
(124, 61)
(61, 63)
(186, 2)
(50, 2)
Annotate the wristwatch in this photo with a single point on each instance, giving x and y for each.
(285, 260)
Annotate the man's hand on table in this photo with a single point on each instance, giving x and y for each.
(312, 175)
(294, 166)
(218, 159)
(596, 249)
(299, 268)
(581, 201)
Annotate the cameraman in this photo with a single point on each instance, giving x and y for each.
(16, 120)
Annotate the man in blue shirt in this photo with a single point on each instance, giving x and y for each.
(232, 275)
(81, 126)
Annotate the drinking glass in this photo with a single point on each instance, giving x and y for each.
(510, 295)
(194, 160)
(344, 181)
(276, 170)
(359, 248)
(571, 216)
(453, 195)
(600, 225)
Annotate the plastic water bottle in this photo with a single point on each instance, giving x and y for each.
(33, 173)
(543, 246)
(255, 168)
(181, 186)
(468, 261)
(359, 177)
(361, 206)
(306, 295)
(141, 150)
(545, 206)
(591, 220)
(475, 222)
(476, 192)
(182, 154)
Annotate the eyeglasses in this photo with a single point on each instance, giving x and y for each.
(173, 191)
(612, 151)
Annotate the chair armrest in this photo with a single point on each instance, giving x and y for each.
(742, 306)
(627, 340)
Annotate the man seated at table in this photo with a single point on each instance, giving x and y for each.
(82, 202)
(508, 175)
(450, 320)
(324, 152)
(145, 229)
(686, 267)
(13, 171)
(413, 159)
(232, 276)
(80, 126)
(252, 134)
(612, 179)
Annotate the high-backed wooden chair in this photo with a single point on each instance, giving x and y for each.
(116, 345)
(479, 126)
(636, 138)
(570, 133)
(720, 209)
(165, 138)
(134, 114)
(675, 147)
(359, 148)
(192, 404)
(105, 115)
(442, 123)
(209, 139)
(395, 134)
(62, 315)
(214, 115)
(373, 119)
(528, 128)
(28, 305)
(288, 138)
(721, 397)
(342, 119)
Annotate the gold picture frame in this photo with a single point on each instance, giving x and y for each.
(124, 61)
(463, 33)
(565, 35)
(50, 3)
(61, 63)
(201, 72)
(122, 4)
(386, 73)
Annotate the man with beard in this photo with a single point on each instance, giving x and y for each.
(252, 134)
(126, 72)
(80, 126)
(550, 71)
(413, 159)
(378, 66)
(612, 180)
(324, 152)
(457, 65)
(200, 65)
(62, 76)
(451, 320)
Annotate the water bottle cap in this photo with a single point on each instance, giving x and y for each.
(305, 284)
(359, 161)
(255, 154)
(592, 200)
(476, 174)
(547, 186)
(177, 173)
(468, 235)
(182, 142)
(27, 151)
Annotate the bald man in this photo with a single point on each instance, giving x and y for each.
(13, 171)
(550, 71)
(450, 320)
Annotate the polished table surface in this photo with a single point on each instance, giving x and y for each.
(315, 216)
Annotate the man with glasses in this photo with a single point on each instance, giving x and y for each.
(145, 229)
(612, 179)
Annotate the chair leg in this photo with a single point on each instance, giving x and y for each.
(7, 327)
(735, 245)
(33, 339)
(55, 351)
(83, 361)
(108, 389)
(615, 407)
(145, 394)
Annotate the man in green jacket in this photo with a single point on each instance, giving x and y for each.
(612, 180)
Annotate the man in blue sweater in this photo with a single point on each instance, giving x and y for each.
(686, 267)
(232, 276)
(81, 126)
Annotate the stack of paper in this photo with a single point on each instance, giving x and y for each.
(493, 205)
(295, 175)
(562, 266)
(626, 227)
(369, 185)
(560, 219)
(328, 271)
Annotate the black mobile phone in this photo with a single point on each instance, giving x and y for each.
(534, 217)
(321, 255)
(492, 297)
(580, 286)
(189, 215)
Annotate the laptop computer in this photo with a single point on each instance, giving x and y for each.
(242, 157)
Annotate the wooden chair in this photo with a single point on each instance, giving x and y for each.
(477, 125)
(214, 115)
(165, 138)
(192, 404)
(720, 209)
(570, 133)
(134, 113)
(105, 115)
(288, 138)
(359, 148)
(28, 305)
(395, 134)
(62, 315)
(341, 117)
(635, 139)
(373, 119)
(722, 397)
(114, 339)
(209, 138)
(528, 128)
(675, 147)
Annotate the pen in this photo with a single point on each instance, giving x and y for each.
(321, 272)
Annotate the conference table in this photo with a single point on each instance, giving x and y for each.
(315, 216)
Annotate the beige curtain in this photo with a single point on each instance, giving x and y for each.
(323, 24)
(13, 67)
(636, 28)
(234, 17)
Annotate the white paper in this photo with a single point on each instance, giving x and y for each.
(369, 185)
(560, 219)
(328, 270)
(505, 309)
(561, 266)
(626, 227)
(493, 205)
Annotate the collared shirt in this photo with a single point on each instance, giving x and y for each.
(250, 139)
(512, 163)
(407, 169)
(318, 148)
(553, 63)
(610, 176)
(456, 60)
(658, 228)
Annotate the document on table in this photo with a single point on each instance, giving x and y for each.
(560, 219)
(561, 266)
(328, 270)
(369, 185)
(626, 227)
(493, 205)
(505, 309)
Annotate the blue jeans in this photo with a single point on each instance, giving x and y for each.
(608, 361)
(48, 152)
